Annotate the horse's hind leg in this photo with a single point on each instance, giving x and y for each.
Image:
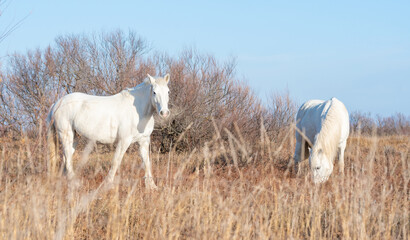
(296, 156)
(67, 140)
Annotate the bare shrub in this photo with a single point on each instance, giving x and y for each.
(202, 91)
(364, 123)
(361, 123)
(281, 112)
(100, 64)
(26, 90)
(397, 124)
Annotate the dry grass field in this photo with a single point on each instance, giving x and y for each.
(223, 190)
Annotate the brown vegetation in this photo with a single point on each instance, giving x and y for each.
(254, 196)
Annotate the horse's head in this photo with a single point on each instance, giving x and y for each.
(320, 165)
(160, 94)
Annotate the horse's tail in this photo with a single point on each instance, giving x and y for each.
(51, 142)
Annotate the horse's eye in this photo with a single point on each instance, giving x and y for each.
(155, 93)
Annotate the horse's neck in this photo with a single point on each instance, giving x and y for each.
(329, 134)
(142, 100)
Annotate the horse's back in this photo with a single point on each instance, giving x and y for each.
(313, 113)
(320, 108)
(308, 118)
(67, 107)
(308, 108)
(94, 117)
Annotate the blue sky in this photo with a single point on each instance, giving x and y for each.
(357, 51)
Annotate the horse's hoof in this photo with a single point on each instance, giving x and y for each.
(152, 187)
(74, 182)
(70, 176)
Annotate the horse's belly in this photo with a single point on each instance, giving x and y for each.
(99, 136)
(101, 129)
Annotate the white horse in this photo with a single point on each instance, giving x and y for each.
(124, 118)
(323, 128)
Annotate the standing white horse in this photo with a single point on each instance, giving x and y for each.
(322, 127)
(124, 118)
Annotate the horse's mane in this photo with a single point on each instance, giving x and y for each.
(328, 137)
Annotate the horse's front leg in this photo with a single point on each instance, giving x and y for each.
(342, 148)
(122, 147)
(144, 152)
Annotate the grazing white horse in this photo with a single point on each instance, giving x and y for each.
(124, 118)
(323, 128)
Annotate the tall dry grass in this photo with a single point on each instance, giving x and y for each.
(221, 190)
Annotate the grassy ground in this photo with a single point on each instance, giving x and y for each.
(253, 195)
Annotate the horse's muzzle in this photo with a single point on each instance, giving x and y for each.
(164, 113)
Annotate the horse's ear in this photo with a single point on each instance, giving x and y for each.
(166, 78)
(151, 79)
